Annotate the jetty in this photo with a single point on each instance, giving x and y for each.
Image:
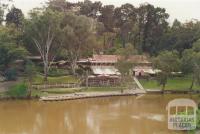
(86, 95)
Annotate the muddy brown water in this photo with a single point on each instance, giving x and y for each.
(112, 115)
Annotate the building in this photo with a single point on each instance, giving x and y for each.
(103, 71)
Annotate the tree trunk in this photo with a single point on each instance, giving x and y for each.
(46, 72)
(104, 40)
(191, 87)
(73, 67)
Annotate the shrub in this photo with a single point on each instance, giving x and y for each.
(58, 72)
(11, 74)
(18, 90)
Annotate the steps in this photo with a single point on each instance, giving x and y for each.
(138, 83)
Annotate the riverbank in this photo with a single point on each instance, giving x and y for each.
(85, 95)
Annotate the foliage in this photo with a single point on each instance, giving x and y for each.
(18, 90)
(90, 9)
(127, 51)
(9, 54)
(124, 66)
(167, 62)
(43, 28)
(55, 72)
(78, 37)
(1, 14)
(30, 70)
(38, 80)
(191, 64)
(10, 74)
(15, 16)
(3, 6)
(9, 51)
(146, 26)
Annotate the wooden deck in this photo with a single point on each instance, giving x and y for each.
(86, 95)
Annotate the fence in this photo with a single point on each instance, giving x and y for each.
(63, 85)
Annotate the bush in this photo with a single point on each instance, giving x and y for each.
(11, 74)
(18, 90)
(58, 72)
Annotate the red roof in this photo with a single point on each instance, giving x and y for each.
(104, 58)
(115, 58)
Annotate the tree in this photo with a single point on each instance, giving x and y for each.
(60, 5)
(43, 28)
(3, 6)
(191, 65)
(15, 16)
(77, 38)
(125, 18)
(91, 9)
(167, 62)
(107, 17)
(1, 15)
(152, 24)
(127, 51)
(196, 46)
(9, 52)
(180, 36)
(30, 71)
(124, 66)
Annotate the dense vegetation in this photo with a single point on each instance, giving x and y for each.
(69, 31)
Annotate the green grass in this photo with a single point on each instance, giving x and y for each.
(38, 80)
(177, 83)
(101, 89)
(38, 93)
(61, 90)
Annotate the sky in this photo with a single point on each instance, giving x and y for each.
(183, 10)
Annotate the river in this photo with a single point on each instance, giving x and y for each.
(113, 115)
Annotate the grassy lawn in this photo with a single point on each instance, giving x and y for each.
(61, 90)
(53, 80)
(38, 93)
(177, 83)
(101, 89)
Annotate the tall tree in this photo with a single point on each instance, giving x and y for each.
(180, 36)
(15, 16)
(43, 28)
(9, 52)
(152, 25)
(191, 63)
(107, 17)
(78, 37)
(125, 18)
(91, 9)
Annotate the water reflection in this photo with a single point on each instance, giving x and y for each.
(117, 115)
